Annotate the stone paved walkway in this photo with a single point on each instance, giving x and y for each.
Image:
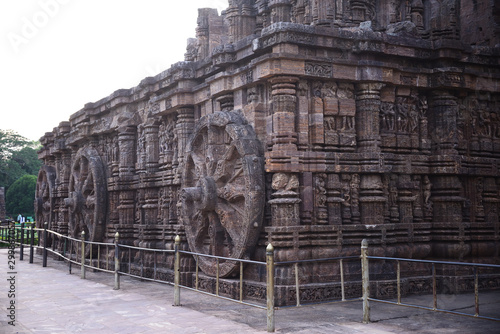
(50, 300)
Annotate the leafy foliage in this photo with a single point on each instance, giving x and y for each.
(18, 158)
(21, 195)
(10, 142)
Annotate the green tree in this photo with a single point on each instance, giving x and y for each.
(17, 157)
(11, 142)
(21, 195)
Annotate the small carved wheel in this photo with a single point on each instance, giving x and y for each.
(45, 185)
(87, 200)
(223, 191)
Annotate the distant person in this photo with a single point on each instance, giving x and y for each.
(19, 218)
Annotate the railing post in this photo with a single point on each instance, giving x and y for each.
(398, 274)
(476, 292)
(270, 287)
(177, 272)
(44, 261)
(21, 246)
(297, 285)
(32, 243)
(117, 263)
(366, 281)
(82, 274)
(434, 287)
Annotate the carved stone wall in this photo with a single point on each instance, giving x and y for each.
(308, 124)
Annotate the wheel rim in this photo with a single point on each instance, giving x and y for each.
(45, 185)
(223, 191)
(87, 199)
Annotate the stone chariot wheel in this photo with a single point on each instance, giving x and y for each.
(44, 199)
(87, 200)
(223, 191)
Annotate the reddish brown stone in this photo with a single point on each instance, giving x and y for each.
(308, 124)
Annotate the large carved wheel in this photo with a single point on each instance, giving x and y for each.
(223, 191)
(44, 199)
(87, 200)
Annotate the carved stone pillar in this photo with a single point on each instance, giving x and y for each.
(323, 13)
(183, 128)
(371, 199)
(320, 199)
(241, 21)
(126, 214)
(405, 199)
(151, 206)
(448, 206)
(126, 142)
(367, 116)
(443, 122)
(226, 102)
(447, 202)
(491, 201)
(334, 200)
(284, 135)
(152, 147)
(362, 10)
(280, 10)
(285, 208)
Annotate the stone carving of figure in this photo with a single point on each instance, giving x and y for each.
(387, 116)
(345, 91)
(252, 96)
(427, 186)
(330, 123)
(347, 123)
(495, 126)
(355, 195)
(285, 182)
(402, 115)
(427, 190)
(163, 208)
(162, 136)
(422, 106)
(394, 11)
(320, 190)
(413, 118)
(484, 121)
(141, 147)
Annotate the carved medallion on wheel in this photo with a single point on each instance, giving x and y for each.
(87, 200)
(44, 198)
(223, 191)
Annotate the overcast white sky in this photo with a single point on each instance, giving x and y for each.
(57, 55)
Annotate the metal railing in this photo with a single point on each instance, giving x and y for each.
(366, 298)
(296, 269)
(81, 252)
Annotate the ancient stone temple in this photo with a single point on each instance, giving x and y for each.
(311, 124)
